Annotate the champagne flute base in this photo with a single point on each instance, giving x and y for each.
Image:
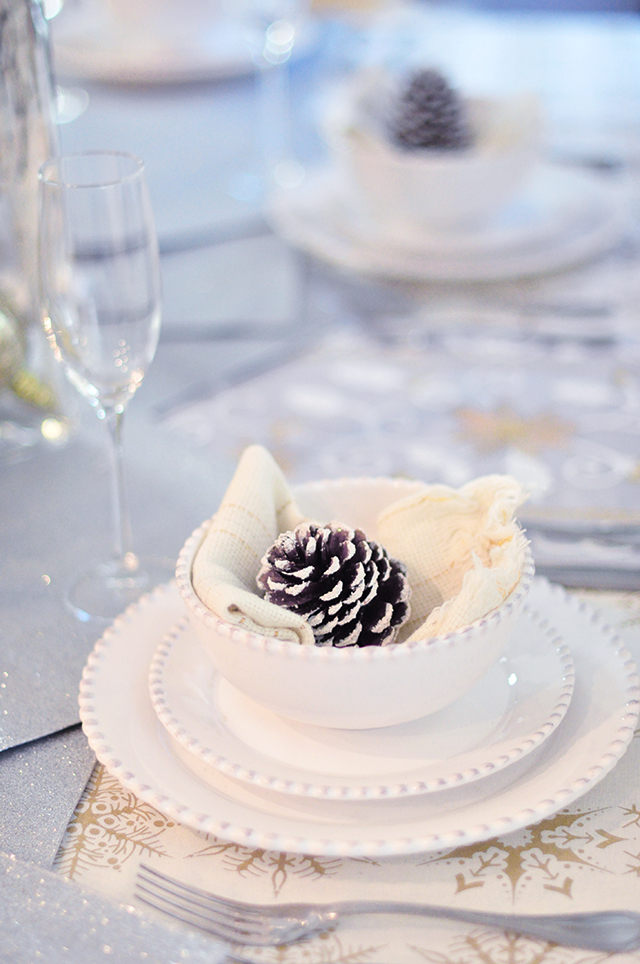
(104, 591)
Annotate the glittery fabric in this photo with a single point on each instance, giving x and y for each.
(40, 784)
(44, 917)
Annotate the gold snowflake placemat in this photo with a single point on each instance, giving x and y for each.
(593, 844)
(563, 421)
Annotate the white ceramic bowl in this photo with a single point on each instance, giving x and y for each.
(352, 688)
(408, 192)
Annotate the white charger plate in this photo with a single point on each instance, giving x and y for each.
(90, 44)
(561, 218)
(127, 737)
(510, 712)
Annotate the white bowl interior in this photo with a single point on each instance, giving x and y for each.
(351, 688)
(439, 191)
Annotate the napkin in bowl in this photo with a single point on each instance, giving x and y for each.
(410, 193)
(463, 549)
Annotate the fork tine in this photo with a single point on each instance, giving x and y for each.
(186, 916)
(197, 908)
(226, 907)
(175, 887)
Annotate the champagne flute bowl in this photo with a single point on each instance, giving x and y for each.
(101, 309)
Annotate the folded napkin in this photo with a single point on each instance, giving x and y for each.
(463, 550)
(256, 508)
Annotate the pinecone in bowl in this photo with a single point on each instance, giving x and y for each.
(347, 588)
(430, 114)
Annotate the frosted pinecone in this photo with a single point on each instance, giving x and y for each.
(346, 587)
(430, 114)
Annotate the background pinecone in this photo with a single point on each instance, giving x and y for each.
(346, 587)
(430, 114)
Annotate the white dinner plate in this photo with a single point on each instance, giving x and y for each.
(561, 218)
(91, 44)
(516, 706)
(127, 737)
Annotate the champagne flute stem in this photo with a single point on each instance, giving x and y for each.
(122, 534)
(273, 114)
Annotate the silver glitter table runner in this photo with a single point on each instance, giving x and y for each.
(45, 917)
(54, 519)
(40, 784)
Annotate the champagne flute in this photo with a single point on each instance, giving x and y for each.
(101, 303)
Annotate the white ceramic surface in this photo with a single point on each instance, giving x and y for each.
(354, 687)
(124, 731)
(427, 188)
(562, 217)
(181, 43)
(510, 712)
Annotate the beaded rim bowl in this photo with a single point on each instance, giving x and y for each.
(410, 192)
(351, 688)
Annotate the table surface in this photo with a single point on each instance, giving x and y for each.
(540, 373)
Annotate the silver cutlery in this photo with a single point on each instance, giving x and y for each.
(602, 578)
(583, 555)
(266, 925)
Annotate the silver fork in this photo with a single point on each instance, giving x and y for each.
(264, 925)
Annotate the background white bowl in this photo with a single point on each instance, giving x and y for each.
(419, 190)
(351, 688)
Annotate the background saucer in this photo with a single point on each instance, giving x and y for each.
(561, 218)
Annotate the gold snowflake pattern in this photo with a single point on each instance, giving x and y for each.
(503, 428)
(495, 947)
(548, 850)
(632, 812)
(326, 949)
(110, 825)
(278, 866)
(629, 602)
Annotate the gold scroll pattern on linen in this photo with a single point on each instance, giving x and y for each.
(112, 829)
(111, 826)
(594, 845)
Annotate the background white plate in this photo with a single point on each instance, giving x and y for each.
(516, 706)
(127, 737)
(561, 218)
(91, 44)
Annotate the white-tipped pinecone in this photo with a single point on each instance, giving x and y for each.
(430, 114)
(346, 587)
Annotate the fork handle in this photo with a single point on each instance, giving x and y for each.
(611, 931)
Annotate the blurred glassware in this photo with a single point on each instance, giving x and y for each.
(270, 28)
(145, 42)
(31, 411)
(70, 102)
(100, 278)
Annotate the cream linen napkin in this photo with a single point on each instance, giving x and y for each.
(256, 508)
(463, 550)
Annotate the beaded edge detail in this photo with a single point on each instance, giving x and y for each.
(352, 848)
(182, 734)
